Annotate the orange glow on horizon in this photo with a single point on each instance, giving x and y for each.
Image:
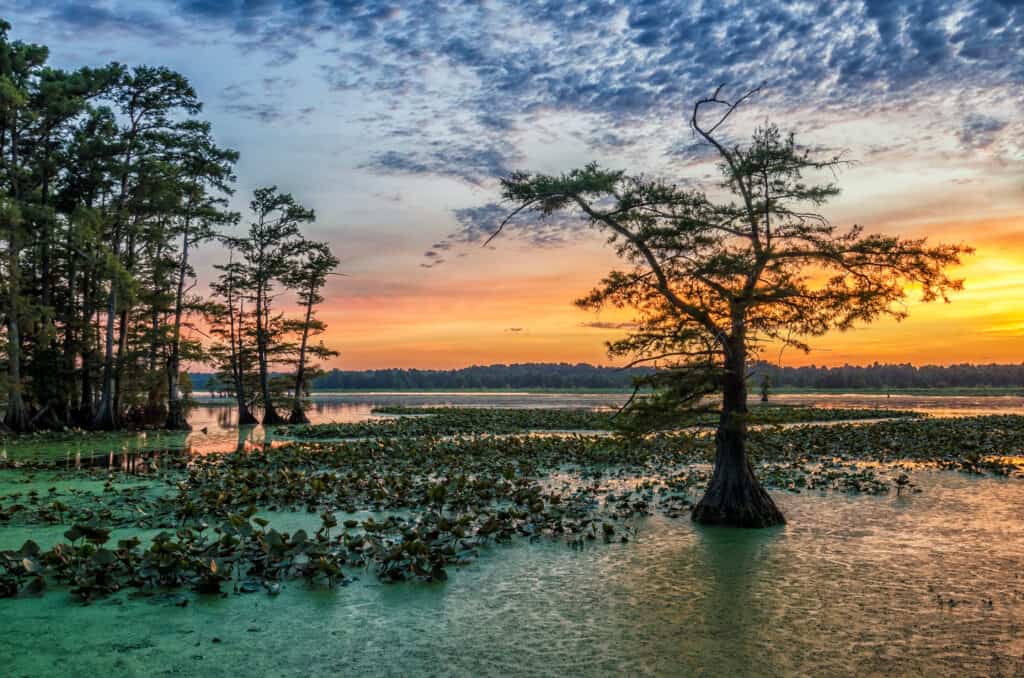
(515, 305)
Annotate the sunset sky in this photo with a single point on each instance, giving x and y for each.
(393, 121)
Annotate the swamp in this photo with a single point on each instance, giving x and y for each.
(435, 534)
(511, 338)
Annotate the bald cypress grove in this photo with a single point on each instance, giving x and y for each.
(109, 184)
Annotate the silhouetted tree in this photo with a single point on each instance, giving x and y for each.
(232, 326)
(205, 173)
(108, 184)
(39, 107)
(148, 99)
(267, 257)
(710, 281)
(308, 277)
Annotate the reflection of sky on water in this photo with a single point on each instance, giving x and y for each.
(214, 430)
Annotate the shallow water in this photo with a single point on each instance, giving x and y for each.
(215, 431)
(851, 586)
(223, 436)
(934, 405)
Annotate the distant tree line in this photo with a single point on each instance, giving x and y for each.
(516, 376)
(584, 376)
(904, 375)
(109, 182)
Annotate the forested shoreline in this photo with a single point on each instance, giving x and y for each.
(585, 376)
(898, 375)
(109, 182)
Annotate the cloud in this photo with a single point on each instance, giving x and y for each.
(473, 162)
(599, 325)
(489, 69)
(265, 113)
(433, 259)
(980, 131)
(620, 60)
(263, 100)
(76, 16)
(477, 224)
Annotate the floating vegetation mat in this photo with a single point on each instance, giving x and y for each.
(427, 421)
(410, 508)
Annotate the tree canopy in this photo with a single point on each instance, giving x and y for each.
(109, 181)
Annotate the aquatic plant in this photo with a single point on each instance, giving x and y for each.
(411, 508)
(427, 421)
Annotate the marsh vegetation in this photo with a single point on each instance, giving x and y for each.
(413, 496)
(422, 497)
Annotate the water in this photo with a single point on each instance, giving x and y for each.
(215, 430)
(851, 586)
(929, 583)
(934, 405)
(222, 434)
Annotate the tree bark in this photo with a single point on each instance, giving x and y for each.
(86, 412)
(16, 417)
(245, 416)
(106, 418)
(120, 362)
(298, 413)
(175, 411)
(270, 415)
(734, 497)
(70, 392)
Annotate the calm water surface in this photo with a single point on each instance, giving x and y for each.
(929, 584)
(223, 436)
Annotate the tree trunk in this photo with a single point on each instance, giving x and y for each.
(86, 413)
(245, 417)
(106, 418)
(120, 361)
(298, 414)
(270, 415)
(734, 497)
(175, 411)
(68, 351)
(16, 419)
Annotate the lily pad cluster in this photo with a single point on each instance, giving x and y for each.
(986, 444)
(412, 507)
(432, 421)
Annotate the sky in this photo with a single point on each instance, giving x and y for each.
(393, 120)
